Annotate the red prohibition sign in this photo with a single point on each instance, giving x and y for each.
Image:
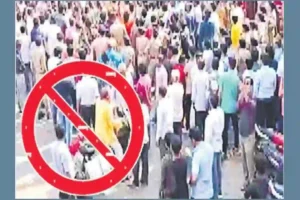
(120, 168)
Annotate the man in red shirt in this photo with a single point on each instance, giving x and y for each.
(180, 67)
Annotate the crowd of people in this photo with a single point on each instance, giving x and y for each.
(201, 66)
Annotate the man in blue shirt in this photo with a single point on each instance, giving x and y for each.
(264, 88)
(229, 88)
(201, 169)
(206, 31)
(111, 57)
(35, 32)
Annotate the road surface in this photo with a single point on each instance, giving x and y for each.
(30, 185)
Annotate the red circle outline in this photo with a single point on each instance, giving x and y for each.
(135, 145)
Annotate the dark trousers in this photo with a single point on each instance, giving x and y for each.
(200, 117)
(88, 114)
(177, 126)
(187, 110)
(145, 167)
(28, 77)
(162, 147)
(234, 120)
(265, 112)
(73, 96)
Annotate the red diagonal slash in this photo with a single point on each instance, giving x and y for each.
(78, 122)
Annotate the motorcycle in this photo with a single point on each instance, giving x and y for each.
(271, 145)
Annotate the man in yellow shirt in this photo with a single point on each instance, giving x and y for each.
(106, 126)
(235, 32)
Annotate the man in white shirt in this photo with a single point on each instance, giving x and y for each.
(188, 70)
(87, 92)
(200, 91)
(54, 60)
(175, 93)
(25, 55)
(214, 125)
(164, 120)
(62, 159)
(161, 77)
(208, 56)
(51, 36)
(144, 154)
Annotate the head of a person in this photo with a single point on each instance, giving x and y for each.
(255, 55)
(175, 51)
(214, 101)
(18, 45)
(261, 17)
(165, 8)
(182, 59)
(141, 31)
(196, 136)
(38, 42)
(278, 43)
(176, 145)
(60, 37)
(215, 63)
(265, 59)
(59, 132)
(253, 26)
(104, 94)
(207, 15)
(162, 91)
(213, 7)
(192, 51)
(144, 13)
(270, 51)
(168, 139)
(175, 75)
(57, 52)
(153, 19)
(131, 7)
(246, 28)
(103, 16)
(61, 9)
(232, 62)
(242, 44)
(207, 45)
(19, 16)
(260, 164)
(254, 42)
(201, 64)
(248, 81)
(235, 19)
(249, 63)
(126, 17)
(218, 53)
(42, 19)
(82, 54)
(142, 69)
(22, 29)
(36, 22)
(70, 51)
(52, 20)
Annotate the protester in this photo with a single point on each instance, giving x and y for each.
(62, 158)
(202, 163)
(229, 88)
(214, 125)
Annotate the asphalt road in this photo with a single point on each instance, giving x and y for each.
(30, 185)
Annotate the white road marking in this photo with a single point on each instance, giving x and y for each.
(23, 159)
